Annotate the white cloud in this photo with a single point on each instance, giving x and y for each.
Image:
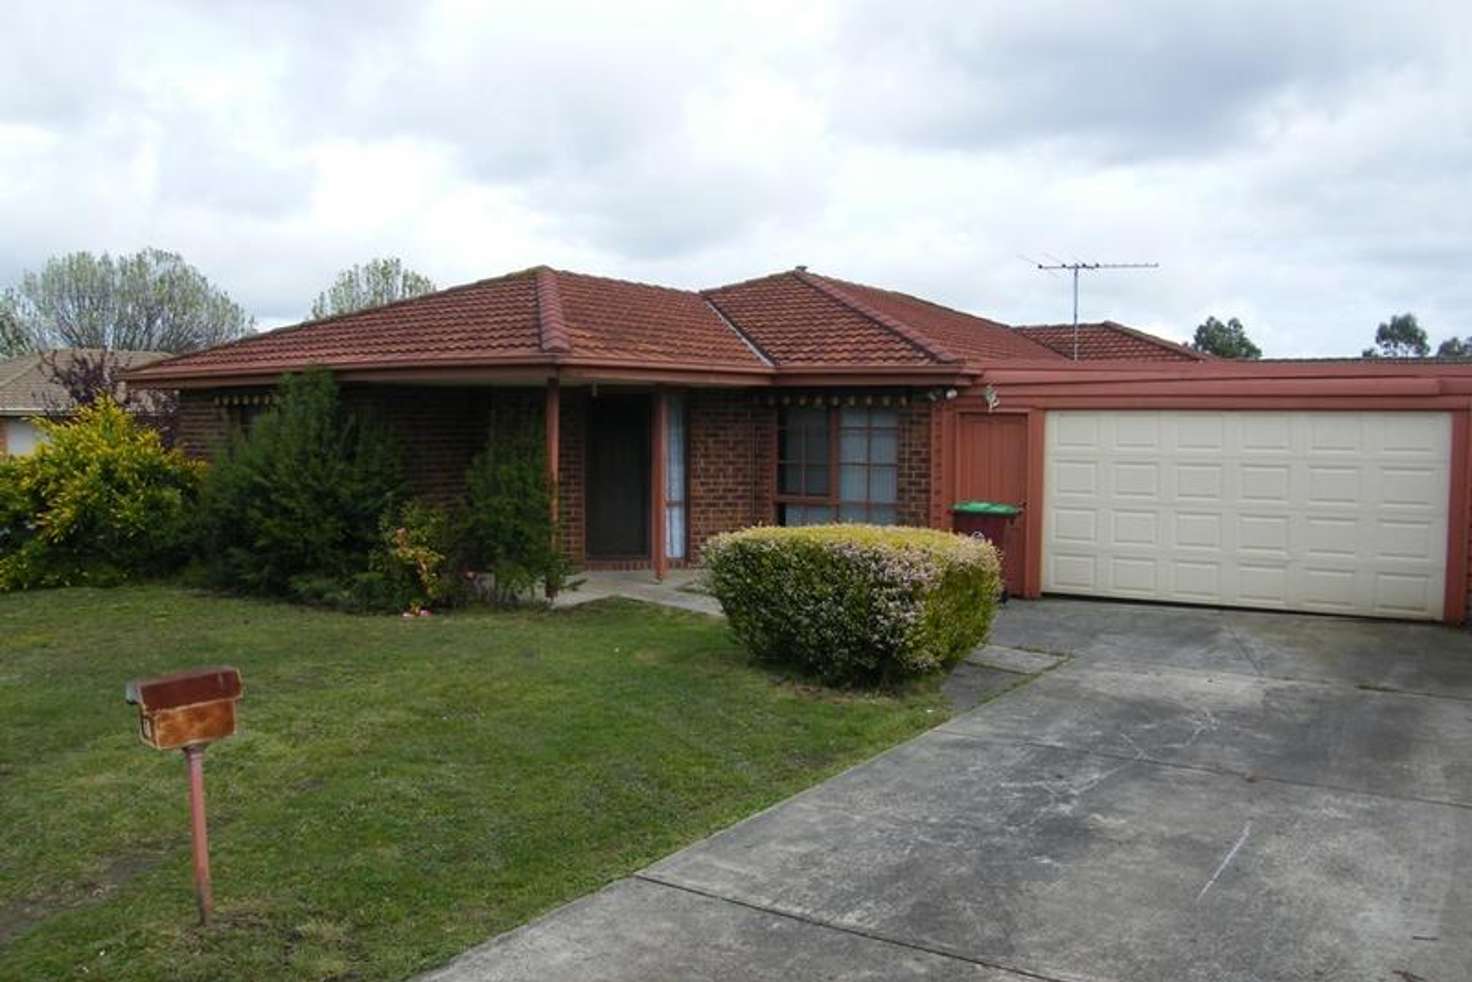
(1303, 167)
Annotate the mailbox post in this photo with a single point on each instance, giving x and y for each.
(187, 711)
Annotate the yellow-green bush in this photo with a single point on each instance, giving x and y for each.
(855, 604)
(99, 501)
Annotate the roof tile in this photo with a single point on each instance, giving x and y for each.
(1106, 340)
(797, 323)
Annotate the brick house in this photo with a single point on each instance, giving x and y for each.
(1147, 470)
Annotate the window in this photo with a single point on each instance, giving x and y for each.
(865, 458)
(674, 478)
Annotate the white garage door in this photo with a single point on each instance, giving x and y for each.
(1340, 512)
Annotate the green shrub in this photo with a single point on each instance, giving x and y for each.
(509, 529)
(101, 500)
(855, 604)
(299, 496)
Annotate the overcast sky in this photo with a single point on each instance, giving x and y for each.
(1306, 167)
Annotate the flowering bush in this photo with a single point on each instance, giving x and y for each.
(855, 604)
(99, 501)
(417, 557)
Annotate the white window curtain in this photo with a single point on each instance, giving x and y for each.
(674, 477)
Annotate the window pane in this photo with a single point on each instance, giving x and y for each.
(786, 444)
(815, 442)
(882, 515)
(853, 483)
(883, 447)
(815, 479)
(883, 484)
(789, 479)
(854, 417)
(853, 513)
(805, 417)
(806, 515)
(884, 419)
(674, 532)
(853, 446)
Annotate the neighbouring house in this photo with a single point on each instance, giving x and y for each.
(1146, 471)
(28, 389)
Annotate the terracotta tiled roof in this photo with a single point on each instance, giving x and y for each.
(614, 320)
(793, 320)
(796, 321)
(972, 338)
(538, 315)
(1107, 340)
(28, 389)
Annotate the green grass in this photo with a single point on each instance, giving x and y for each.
(399, 790)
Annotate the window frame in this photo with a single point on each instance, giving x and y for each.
(833, 500)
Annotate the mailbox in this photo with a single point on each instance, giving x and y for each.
(187, 708)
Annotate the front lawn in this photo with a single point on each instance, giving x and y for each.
(399, 791)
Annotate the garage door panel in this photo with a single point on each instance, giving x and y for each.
(1137, 479)
(1339, 434)
(1075, 525)
(1266, 483)
(1134, 528)
(1333, 485)
(1198, 530)
(1265, 434)
(1342, 512)
(1136, 433)
(1200, 482)
(1073, 573)
(1076, 477)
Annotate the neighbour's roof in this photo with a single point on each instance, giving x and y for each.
(794, 321)
(27, 387)
(1106, 340)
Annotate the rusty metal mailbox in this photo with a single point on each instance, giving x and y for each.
(186, 708)
(187, 711)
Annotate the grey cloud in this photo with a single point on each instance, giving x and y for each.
(1116, 81)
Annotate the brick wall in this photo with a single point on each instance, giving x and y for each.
(915, 458)
(204, 425)
(573, 438)
(726, 435)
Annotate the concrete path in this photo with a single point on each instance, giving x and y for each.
(1192, 795)
(679, 588)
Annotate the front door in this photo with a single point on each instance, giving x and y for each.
(618, 501)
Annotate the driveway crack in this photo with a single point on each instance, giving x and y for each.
(854, 931)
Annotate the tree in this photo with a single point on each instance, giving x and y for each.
(1227, 340)
(150, 301)
(374, 283)
(89, 375)
(14, 338)
(1455, 348)
(1400, 337)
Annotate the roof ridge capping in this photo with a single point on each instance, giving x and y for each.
(551, 323)
(905, 331)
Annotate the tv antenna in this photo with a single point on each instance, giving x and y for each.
(1075, 268)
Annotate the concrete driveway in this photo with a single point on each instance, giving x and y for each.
(1192, 795)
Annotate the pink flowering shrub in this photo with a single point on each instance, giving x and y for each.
(855, 604)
